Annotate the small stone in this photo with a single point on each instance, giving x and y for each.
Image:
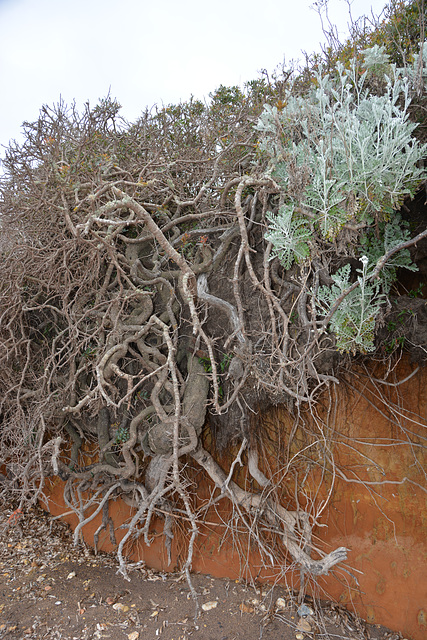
(121, 607)
(281, 603)
(303, 625)
(71, 575)
(134, 635)
(299, 636)
(304, 611)
(207, 606)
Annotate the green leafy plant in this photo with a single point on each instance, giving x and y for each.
(418, 292)
(342, 153)
(378, 242)
(354, 321)
(394, 344)
(223, 365)
(122, 435)
(90, 352)
(289, 235)
(205, 361)
(225, 362)
(344, 158)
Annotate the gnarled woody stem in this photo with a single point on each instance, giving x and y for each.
(288, 519)
(203, 294)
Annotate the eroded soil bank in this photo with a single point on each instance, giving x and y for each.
(376, 509)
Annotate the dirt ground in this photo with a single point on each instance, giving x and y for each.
(50, 589)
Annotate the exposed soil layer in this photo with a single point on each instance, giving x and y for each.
(381, 523)
(50, 589)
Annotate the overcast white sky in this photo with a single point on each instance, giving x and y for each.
(146, 51)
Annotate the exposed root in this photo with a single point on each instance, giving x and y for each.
(153, 310)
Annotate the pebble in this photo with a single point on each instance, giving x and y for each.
(304, 610)
(303, 625)
(281, 603)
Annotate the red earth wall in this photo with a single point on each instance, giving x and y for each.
(383, 525)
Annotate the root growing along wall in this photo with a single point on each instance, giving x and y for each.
(375, 491)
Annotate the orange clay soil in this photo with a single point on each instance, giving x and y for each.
(382, 525)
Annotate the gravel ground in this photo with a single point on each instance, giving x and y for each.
(50, 589)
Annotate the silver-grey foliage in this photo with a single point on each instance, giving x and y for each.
(345, 159)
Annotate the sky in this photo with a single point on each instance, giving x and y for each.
(147, 52)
